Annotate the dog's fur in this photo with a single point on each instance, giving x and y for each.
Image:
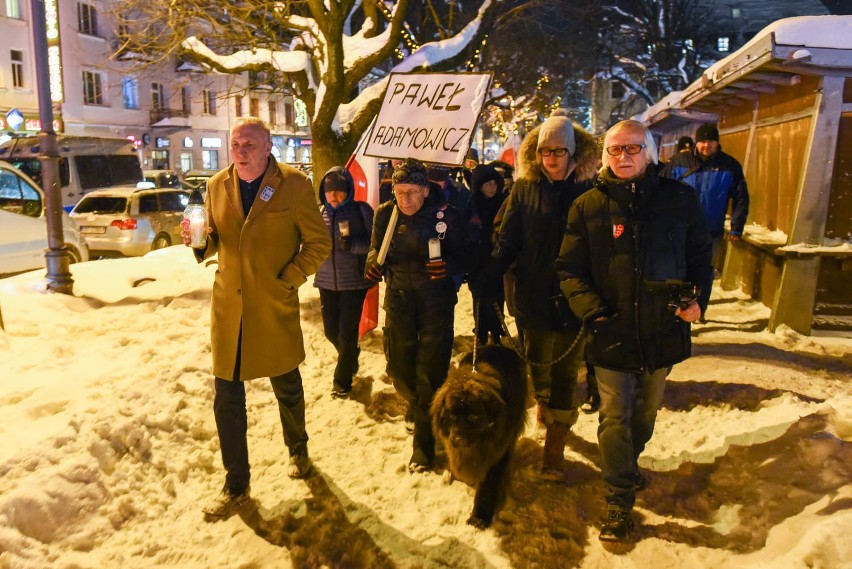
(478, 416)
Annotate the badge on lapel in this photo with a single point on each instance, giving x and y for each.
(267, 193)
(617, 230)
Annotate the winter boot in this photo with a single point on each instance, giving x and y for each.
(617, 526)
(553, 464)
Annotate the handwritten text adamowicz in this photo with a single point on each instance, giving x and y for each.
(447, 139)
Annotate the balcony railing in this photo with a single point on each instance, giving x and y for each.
(159, 114)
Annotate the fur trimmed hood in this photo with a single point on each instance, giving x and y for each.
(586, 156)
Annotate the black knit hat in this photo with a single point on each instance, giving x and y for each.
(411, 171)
(684, 142)
(707, 131)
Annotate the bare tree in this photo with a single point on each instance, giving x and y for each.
(318, 50)
(650, 46)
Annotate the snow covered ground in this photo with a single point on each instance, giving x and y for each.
(109, 448)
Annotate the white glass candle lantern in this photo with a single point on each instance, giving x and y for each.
(197, 216)
(343, 228)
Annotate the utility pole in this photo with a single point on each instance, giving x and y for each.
(57, 257)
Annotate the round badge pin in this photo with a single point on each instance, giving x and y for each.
(440, 227)
(440, 215)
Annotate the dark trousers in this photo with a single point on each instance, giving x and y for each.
(418, 342)
(341, 315)
(558, 381)
(629, 403)
(229, 408)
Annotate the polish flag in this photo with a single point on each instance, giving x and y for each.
(510, 149)
(365, 173)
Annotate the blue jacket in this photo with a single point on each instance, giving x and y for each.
(715, 181)
(344, 270)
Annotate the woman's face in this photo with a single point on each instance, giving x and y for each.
(555, 166)
(489, 189)
(626, 166)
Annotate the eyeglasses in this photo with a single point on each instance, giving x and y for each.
(408, 193)
(558, 152)
(628, 148)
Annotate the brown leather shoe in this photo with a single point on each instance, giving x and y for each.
(226, 503)
(300, 466)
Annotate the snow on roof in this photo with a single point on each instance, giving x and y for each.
(827, 32)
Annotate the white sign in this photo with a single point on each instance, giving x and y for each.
(428, 116)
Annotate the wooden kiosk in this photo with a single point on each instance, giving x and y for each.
(783, 103)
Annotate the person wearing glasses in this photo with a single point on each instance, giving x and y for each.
(556, 164)
(634, 231)
(428, 246)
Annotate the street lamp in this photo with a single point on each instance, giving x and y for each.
(57, 257)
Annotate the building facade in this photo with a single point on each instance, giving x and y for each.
(178, 116)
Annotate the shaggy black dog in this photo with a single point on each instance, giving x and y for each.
(478, 416)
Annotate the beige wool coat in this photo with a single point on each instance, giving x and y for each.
(263, 259)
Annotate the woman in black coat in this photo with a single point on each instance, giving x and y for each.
(632, 244)
(488, 196)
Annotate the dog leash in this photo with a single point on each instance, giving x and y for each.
(515, 346)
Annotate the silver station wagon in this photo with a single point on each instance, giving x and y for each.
(130, 222)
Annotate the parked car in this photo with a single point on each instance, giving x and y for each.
(163, 178)
(198, 179)
(23, 226)
(130, 222)
(86, 163)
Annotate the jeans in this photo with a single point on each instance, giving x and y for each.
(629, 403)
(229, 408)
(559, 380)
(341, 315)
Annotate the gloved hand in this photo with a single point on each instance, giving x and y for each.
(487, 286)
(344, 243)
(374, 273)
(437, 269)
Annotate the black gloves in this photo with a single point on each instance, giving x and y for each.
(374, 273)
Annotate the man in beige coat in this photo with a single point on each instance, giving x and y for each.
(268, 232)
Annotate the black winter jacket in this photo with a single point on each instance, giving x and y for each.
(405, 265)
(531, 231)
(620, 236)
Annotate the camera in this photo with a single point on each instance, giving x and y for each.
(679, 294)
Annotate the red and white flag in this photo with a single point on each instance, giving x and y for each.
(510, 150)
(365, 173)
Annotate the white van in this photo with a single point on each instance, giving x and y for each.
(86, 163)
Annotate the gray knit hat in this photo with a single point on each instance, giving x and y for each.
(557, 132)
(411, 171)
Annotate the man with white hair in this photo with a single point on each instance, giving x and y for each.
(635, 248)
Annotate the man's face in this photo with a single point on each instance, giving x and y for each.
(250, 148)
(410, 197)
(707, 148)
(626, 166)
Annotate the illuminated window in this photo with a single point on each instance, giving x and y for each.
(723, 44)
(13, 9)
(130, 92)
(254, 107)
(17, 67)
(736, 12)
(87, 19)
(92, 88)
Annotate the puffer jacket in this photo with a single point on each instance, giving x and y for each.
(344, 270)
(623, 238)
(531, 231)
(715, 181)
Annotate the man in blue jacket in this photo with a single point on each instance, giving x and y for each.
(717, 179)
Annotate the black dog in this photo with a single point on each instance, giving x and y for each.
(478, 416)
